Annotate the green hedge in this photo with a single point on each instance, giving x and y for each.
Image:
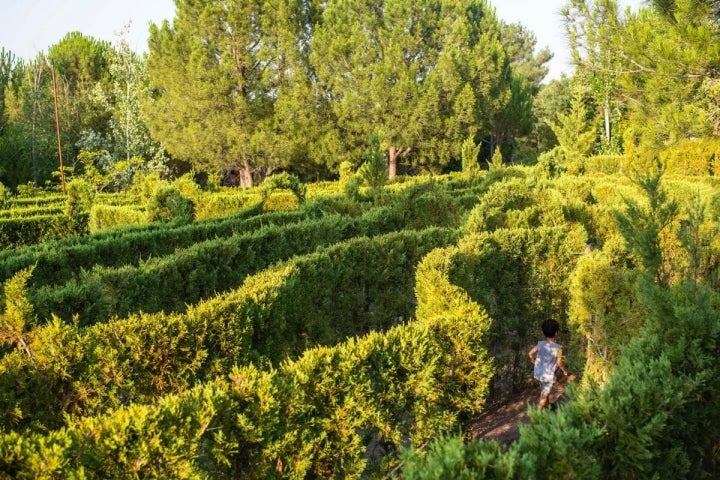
(17, 232)
(322, 298)
(223, 203)
(343, 411)
(105, 217)
(60, 261)
(656, 417)
(54, 200)
(171, 282)
(521, 277)
(32, 211)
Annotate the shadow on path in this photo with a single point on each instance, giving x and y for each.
(501, 421)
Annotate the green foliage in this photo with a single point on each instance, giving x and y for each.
(145, 185)
(192, 81)
(692, 157)
(282, 201)
(501, 198)
(373, 171)
(607, 164)
(18, 312)
(553, 163)
(87, 168)
(169, 205)
(604, 310)
(317, 415)
(642, 227)
(469, 154)
(519, 276)
(322, 298)
(497, 160)
(284, 181)
(573, 131)
(451, 458)
(350, 181)
(106, 217)
(58, 261)
(334, 361)
(650, 419)
(169, 283)
(44, 226)
(4, 195)
(77, 206)
(429, 203)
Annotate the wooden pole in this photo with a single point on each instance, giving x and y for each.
(57, 129)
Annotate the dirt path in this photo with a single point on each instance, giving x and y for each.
(501, 421)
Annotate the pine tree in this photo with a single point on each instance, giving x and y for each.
(573, 130)
(470, 165)
(215, 73)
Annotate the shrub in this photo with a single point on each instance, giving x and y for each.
(77, 206)
(374, 169)
(106, 217)
(169, 205)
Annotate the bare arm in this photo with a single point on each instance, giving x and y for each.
(532, 353)
(560, 363)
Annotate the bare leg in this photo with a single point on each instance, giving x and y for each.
(544, 397)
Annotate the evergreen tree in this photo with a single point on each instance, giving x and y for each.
(7, 65)
(215, 74)
(656, 67)
(592, 29)
(572, 129)
(426, 76)
(552, 98)
(28, 146)
(514, 123)
(28, 151)
(470, 165)
(81, 66)
(469, 89)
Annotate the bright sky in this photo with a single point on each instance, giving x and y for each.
(28, 27)
(543, 18)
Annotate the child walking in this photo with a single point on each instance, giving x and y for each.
(547, 357)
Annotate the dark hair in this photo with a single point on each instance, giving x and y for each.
(550, 328)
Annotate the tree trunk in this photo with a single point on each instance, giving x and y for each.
(37, 74)
(392, 162)
(607, 119)
(393, 154)
(246, 179)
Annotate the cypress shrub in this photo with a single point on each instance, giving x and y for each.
(105, 217)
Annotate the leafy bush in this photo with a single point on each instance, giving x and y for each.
(169, 205)
(106, 217)
(374, 169)
(320, 415)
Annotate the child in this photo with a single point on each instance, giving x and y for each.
(547, 357)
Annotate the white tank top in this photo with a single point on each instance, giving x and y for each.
(546, 360)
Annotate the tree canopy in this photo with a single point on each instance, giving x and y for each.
(230, 80)
(245, 89)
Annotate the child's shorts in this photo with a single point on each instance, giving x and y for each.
(545, 387)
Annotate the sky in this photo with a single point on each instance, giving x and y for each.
(28, 27)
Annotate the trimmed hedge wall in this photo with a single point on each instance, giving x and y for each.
(322, 298)
(171, 282)
(62, 260)
(16, 232)
(343, 411)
